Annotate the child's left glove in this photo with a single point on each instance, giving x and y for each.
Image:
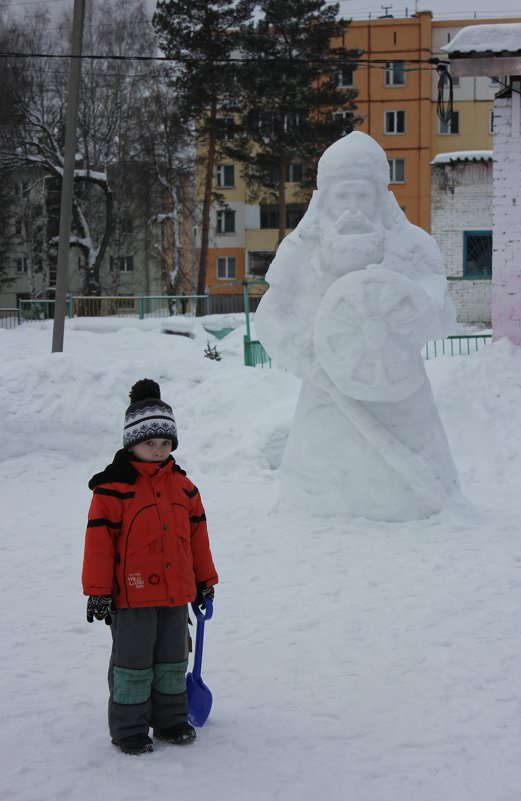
(99, 607)
(202, 593)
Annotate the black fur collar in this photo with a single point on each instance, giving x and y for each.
(122, 470)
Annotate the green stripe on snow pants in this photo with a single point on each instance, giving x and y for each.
(147, 669)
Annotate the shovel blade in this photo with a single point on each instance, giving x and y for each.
(199, 700)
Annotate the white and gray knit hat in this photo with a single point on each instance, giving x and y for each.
(148, 417)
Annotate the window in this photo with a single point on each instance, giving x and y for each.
(345, 77)
(265, 122)
(225, 128)
(126, 225)
(21, 264)
(294, 214)
(455, 79)
(273, 123)
(225, 221)
(346, 117)
(295, 172)
(259, 261)
(18, 226)
(292, 120)
(395, 73)
(452, 126)
(477, 254)
(394, 122)
(125, 264)
(226, 267)
(491, 123)
(225, 175)
(397, 170)
(269, 215)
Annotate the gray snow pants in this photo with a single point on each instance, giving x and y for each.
(147, 669)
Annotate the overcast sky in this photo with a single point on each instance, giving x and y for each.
(362, 9)
(441, 9)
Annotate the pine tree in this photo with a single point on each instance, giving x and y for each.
(291, 59)
(202, 36)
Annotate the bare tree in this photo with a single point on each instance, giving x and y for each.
(108, 131)
(168, 145)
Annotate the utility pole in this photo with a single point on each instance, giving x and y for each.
(69, 161)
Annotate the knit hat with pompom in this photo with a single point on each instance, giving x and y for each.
(148, 417)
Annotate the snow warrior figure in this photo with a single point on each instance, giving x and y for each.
(355, 291)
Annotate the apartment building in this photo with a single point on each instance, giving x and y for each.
(148, 241)
(398, 97)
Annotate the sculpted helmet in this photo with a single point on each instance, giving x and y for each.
(356, 155)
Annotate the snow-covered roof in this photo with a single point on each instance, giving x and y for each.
(463, 155)
(500, 38)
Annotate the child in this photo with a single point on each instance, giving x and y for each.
(146, 557)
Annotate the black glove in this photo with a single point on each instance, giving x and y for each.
(99, 607)
(203, 592)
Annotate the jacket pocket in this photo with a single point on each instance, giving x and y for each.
(181, 522)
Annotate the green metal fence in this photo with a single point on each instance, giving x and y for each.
(254, 354)
(197, 305)
(38, 310)
(9, 318)
(457, 345)
(117, 306)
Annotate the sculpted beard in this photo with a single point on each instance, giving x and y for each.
(350, 243)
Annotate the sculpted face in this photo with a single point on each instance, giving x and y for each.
(355, 196)
(351, 230)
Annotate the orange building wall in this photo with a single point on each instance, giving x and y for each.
(223, 286)
(403, 39)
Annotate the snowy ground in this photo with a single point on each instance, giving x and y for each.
(349, 660)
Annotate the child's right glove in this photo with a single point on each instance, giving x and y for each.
(99, 607)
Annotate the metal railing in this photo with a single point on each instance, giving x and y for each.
(117, 306)
(197, 306)
(457, 345)
(255, 354)
(9, 318)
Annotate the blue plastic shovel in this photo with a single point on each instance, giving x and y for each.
(199, 696)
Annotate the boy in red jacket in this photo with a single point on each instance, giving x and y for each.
(147, 556)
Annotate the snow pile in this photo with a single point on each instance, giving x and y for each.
(348, 660)
(498, 38)
(463, 155)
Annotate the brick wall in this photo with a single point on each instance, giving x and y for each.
(506, 282)
(462, 201)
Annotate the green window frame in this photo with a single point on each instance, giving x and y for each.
(477, 254)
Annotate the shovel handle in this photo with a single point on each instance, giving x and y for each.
(199, 635)
(205, 614)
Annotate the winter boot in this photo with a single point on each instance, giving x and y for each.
(135, 744)
(180, 734)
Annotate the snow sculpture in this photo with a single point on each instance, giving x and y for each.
(355, 291)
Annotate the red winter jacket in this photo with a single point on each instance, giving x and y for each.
(146, 542)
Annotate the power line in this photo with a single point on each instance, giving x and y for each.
(34, 3)
(177, 60)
